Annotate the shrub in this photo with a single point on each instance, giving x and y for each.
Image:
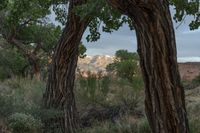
(20, 95)
(12, 63)
(93, 89)
(196, 80)
(23, 123)
(122, 126)
(6, 106)
(194, 125)
(3, 74)
(193, 115)
(143, 126)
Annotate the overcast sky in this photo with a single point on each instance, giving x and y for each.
(188, 42)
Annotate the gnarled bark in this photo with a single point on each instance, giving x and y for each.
(164, 102)
(59, 91)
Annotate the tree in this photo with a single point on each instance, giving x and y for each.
(12, 63)
(61, 78)
(165, 102)
(59, 91)
(23, 26)
(125, 65)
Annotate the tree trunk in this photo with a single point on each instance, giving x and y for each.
(59, 91)
(34, 63)
(32, 58)
(165, 100)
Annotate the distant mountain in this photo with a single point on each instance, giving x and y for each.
(94, 64)
(189, 59)
(189, 70)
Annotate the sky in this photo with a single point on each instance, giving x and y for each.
(188, 42)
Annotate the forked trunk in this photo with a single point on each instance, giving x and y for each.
(164, 101)
(59, 91)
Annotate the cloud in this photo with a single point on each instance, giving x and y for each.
(189, 59)
(188, 42)
(110, 43)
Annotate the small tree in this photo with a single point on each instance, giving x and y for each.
(126, 66)
(12, 63)
(23, 25)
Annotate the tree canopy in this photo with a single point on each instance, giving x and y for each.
(107, 19)
(126, 66)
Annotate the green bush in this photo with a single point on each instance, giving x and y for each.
(3, 74)
(93, 89)
(193, 115)
(188, 85)
(196, 80)
(20, 95)
(6, 105)
(12, 63)
(143, 126)
(123, 126)
(194, 125)
(23, 123)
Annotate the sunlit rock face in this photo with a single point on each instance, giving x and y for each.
(189, 70)
(97, 64)
(94, 64)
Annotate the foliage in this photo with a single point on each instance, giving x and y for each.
(12, 63)
(25, 20)
(82, 50)
(193, 107)
(5, 102)
(196, 80)
(191, 84)
(20, 13)
(23, 123)
(107, 91)
(126, 66)
(26, 23)
(125, 95)
(20, 101)
(108, 19)
(47, 35)
(20, 95)
(143, 126)
(103, 16)
(94, 88)
(194, 125)
(184, 8)
(3, 4)
(123, 126)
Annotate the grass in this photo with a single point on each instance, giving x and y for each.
(24, 96)
(126, 124)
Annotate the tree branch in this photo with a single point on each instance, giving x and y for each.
(19, 46)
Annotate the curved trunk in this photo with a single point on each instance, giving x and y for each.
(31, 57)
(34, 63)
(59, 91)
(164, 101)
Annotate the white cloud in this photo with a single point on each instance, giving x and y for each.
(189, 59)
